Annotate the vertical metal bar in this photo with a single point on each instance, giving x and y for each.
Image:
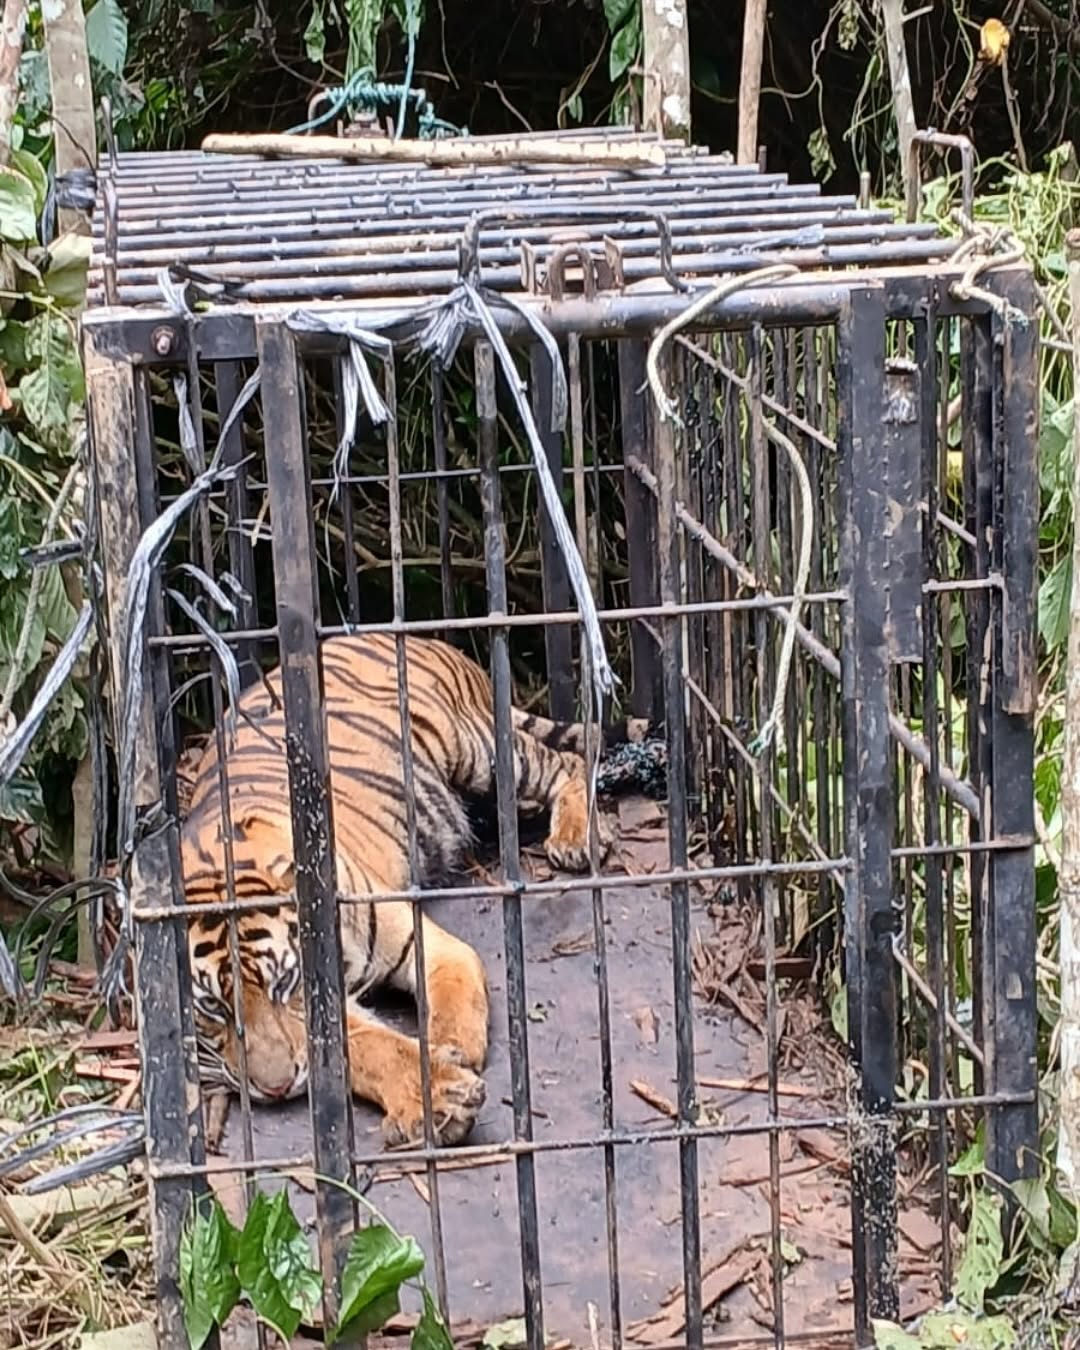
(558, 644)
(977, 363)
(296, 596)
(227, 384)
(663, 461)
(926, 359)
(170, 1093)
(868, 807)
(397, 577)
(442, 492)
(646, 696)
(770, 895)
(1013, 1131)
(902, 444)
(505, 779)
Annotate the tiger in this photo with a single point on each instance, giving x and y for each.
(452, 735)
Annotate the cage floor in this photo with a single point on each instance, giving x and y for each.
(478, 1204)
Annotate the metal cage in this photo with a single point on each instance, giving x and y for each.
(875, 853)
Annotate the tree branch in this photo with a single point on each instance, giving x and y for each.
(1045, 17)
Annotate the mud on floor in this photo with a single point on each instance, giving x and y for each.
(478, 1203)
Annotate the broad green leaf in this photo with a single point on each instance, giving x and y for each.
(889, 1336)
(378, 1264)
(430, 1332)
(315, 35)
(1055, 595)
(48, 391)
(624, 46)
(208, 1282)
(1063, 1225)
(57, 612)
(107, 36)
(274, 1265)
(21, 802)
(980, 1266)
(617, 11)
(31, 169)
(18, 217)
(68, 261)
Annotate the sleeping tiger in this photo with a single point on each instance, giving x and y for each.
(452, 730)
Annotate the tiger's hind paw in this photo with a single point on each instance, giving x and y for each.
(569, 849)
(457, 1097)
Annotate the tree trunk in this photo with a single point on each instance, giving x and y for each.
(666, 43)
(12, 28)
(892, 11)
(753, 50)
(1068, 1158)
(72, 97)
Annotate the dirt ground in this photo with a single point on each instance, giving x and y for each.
(478, 1204)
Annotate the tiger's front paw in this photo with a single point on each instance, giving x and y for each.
(457, 1096)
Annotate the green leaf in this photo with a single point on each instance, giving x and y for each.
(378, 1264)
(208, 1282)
(617, 11)
(972, 1162)
(32, 170)
(1055, 595)
(430, 1332)
(274, 1265)
(18, 217)
(48, 391)
(65, 275)
(889, 1336)
(504, 1335)
(980, 1266)
(315, 35)
(624, 46)
(107, 36)
(21, 802)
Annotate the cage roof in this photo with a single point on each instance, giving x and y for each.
(306, 230)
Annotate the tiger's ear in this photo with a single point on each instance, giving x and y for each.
(269, 842)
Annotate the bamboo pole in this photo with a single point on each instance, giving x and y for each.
(666, 55)
(753, 51)
(892, 12)
(1068, 1156)
(512, 150)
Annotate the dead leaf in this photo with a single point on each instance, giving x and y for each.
(647, 1024)
(537, 1013)
(994, 42)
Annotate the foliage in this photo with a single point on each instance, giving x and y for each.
(41, 390)
(269, 1263)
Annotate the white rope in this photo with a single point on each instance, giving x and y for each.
(988, 247)
(669, 409)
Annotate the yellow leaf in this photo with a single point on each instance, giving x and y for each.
(995, 42)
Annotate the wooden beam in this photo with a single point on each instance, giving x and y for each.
(753, 52)
(12, 28)
(666, 40)
(72, 97)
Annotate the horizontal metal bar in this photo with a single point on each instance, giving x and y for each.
(227, 332)
(524, 889)
(337, 254)
(193, 642)
(483, 1153)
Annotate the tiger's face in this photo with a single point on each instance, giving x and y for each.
(274, 1033)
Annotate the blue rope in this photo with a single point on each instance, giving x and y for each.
(362, 92)
(413, 21)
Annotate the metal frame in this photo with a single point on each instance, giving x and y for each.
(705, 595)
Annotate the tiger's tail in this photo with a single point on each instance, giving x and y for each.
(570, 736)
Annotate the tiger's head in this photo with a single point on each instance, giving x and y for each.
(274, 1032)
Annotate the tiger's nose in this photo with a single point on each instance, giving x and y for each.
(277, 1090)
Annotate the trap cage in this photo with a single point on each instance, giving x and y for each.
(806, 519)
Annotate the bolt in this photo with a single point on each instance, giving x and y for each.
(161, 339)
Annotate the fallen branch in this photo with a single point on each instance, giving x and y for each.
(655, 1099)
(511, 150)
